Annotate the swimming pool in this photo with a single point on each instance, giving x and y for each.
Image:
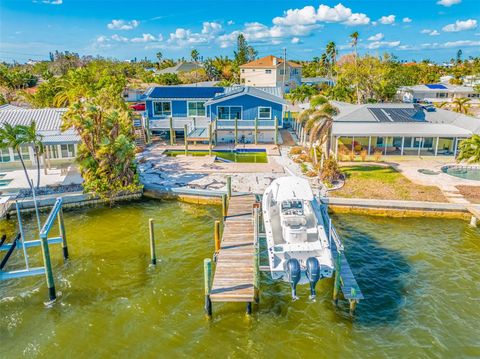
(240, 155)
(465, 172)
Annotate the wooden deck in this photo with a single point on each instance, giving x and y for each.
(233, 280)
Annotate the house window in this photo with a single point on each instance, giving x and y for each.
(4, 155)
(229, 112)
(243, 71)
(162, 108)
(68, 151)
(196, 108)
(264, 113)
(268, 71)
(24, 152)
(294, 72)
(282, 72)
(53, 151)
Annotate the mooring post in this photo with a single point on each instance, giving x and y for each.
(207, 271)
(171, 130)
(473, 221)
(229, 187)
(249, 308)
(153, 256)
(256, 131)
(336, 283)
(353, 306)
(48, 267)
(224, 206)
(186, 140)
(276, 130)
(256, 257)
(216, 236)
(63, 234)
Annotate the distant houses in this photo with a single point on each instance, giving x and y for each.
(271, 71)
(437, 93)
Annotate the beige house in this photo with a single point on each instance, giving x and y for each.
(271, 71)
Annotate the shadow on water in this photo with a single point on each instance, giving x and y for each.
(381, 273)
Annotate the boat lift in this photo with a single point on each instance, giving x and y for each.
(44, 242)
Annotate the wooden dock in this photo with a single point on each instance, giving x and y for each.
(234, 277)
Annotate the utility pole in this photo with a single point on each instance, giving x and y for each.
(284, 67)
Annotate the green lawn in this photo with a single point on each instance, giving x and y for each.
(384, 182)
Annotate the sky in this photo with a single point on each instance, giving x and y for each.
(409, 29)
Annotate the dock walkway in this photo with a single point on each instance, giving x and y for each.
(233, 280)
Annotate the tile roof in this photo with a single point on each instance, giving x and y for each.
(267, 62)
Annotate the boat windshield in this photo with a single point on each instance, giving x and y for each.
(292, 207)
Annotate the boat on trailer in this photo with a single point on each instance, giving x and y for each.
(299, 250)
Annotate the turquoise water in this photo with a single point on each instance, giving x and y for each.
(471, 173)
(420, 278)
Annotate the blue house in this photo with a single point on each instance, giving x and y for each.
(230, 110)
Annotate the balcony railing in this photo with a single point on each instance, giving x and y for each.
(250, 124)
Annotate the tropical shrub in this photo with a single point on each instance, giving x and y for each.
(470, 150)
(363, 155)
(296, 150)
(330, 171)
(377, 155)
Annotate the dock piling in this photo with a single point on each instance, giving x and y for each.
(336, 283)
(473, 221)
(229, 187)
(48, 267)
(185, 139)
(224, 206)
(153, 255)
(210, 139)
(236, 132)
(207, 271)
(249, 308)
(256, 256)
(216, 236)
(256, 131)
(61, 226)
(276, 131)
(171, 130)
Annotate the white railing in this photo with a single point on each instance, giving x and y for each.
(242, 124)
(178, 123)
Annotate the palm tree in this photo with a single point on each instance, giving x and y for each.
(31, 136)
(318, 120)
(354, 43)
(194, 55)
(470, 150)
(461, 105)
(13, 137)
(331, 52)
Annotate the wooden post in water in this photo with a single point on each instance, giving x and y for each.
(153, 255)
(236, 132)
(207, 273)
(256, 257)
(229, 187)
(61, 226)
(186, 140)
(171, 131)
(210, 139)
(48, 267)
(276, 130)
(224, 206)
(336, 283)
(473, 221)
(216, 236)
(256, 131)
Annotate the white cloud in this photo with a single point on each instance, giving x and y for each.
(296, 40)
(185, 37)
(123, 24)
(387, 20)
(324, 14)
(53, 2)
(466, 43)
(460, 25)
(376, 37)
(146, 38)
(382, 44)
(448, 3)
(119, 38)
(430, 32)
(230, 22)
(406, 19)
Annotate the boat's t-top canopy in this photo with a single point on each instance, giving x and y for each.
(291, 188)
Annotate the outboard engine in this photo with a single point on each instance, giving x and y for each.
(313, 275)
(292, 268)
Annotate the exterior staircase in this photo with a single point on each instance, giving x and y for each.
(139, 133)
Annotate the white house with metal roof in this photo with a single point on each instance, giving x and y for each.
(60, 146)
(400, 129)
(437, 93)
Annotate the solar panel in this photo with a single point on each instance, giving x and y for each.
(395, 114)
(380, 115)
(436, 87)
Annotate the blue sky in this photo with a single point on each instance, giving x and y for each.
(410, 29)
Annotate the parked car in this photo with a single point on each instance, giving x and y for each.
(138, 106)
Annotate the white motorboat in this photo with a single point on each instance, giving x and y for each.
(299, 250)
